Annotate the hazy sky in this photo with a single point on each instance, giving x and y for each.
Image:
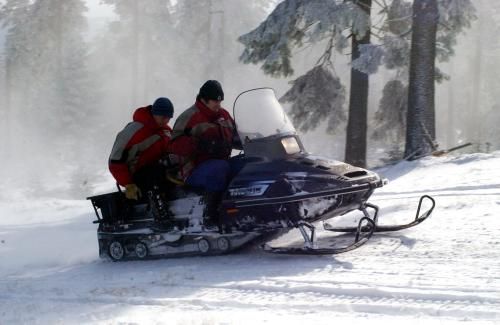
(97, 10)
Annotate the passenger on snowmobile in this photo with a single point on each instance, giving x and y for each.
(208, 133)
(135, 158)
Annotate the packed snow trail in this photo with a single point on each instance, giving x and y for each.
(444, 271)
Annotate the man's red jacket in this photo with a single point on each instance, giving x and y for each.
(195, 125)
(140, 143)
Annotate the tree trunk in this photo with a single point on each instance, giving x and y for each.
(355, 150)
(476, 110)
(421, 125)
(6, 111)
(451, 131)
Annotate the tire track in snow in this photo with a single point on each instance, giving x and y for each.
(296, 297)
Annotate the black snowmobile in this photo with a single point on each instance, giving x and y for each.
(280, 187)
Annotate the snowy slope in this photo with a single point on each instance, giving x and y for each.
(445, 271)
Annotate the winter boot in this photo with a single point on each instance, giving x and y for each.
(212, 217)
(159, 207)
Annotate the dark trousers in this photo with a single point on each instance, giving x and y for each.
(211, 175)
(214, 175)
(152, 176)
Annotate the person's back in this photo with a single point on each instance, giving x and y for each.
(134, 159)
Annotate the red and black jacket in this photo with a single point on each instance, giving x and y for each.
(140, 143)
(196, 125)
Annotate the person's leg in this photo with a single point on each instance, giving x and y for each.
(149, 177)
(212, 175)
(152, 181)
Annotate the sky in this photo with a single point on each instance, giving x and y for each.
(99, 10)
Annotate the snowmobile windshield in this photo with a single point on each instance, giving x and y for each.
(258, 114)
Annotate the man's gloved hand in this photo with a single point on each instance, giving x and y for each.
(132, 192)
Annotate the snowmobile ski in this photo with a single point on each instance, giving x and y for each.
(387, 228)
(364, 232)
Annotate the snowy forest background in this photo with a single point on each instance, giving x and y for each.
(73, 71)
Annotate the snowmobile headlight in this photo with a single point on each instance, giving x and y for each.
(255, 190)
(291, 145)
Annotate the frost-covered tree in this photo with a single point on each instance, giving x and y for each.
(203, 42)
(295, 23)
(357, 124)
(393, 52)
(4, 113)
(390, 118)
(482, 115)
(14, 15)
(318, 88)
(143, 42)
(63, 89)
(51, 97)
(209, 28)
(298, 23)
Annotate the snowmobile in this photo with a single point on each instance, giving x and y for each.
(279, 188)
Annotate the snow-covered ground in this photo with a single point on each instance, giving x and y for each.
(445, 271)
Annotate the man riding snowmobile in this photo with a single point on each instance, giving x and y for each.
(135, 158)
(204, 136)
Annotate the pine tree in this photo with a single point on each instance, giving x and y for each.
(14, 17)
(208, 29)
(420, 127)
(483, 115)
(201, 42)
(355, 152)
(144, 40)
(297, 22)
(394, 52)
(50, 94)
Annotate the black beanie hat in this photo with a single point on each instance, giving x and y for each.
(212, 89)
(163, 107)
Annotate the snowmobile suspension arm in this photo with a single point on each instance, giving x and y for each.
(364, 231)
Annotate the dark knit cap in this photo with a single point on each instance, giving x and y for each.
(212, 89)
(163, 107)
